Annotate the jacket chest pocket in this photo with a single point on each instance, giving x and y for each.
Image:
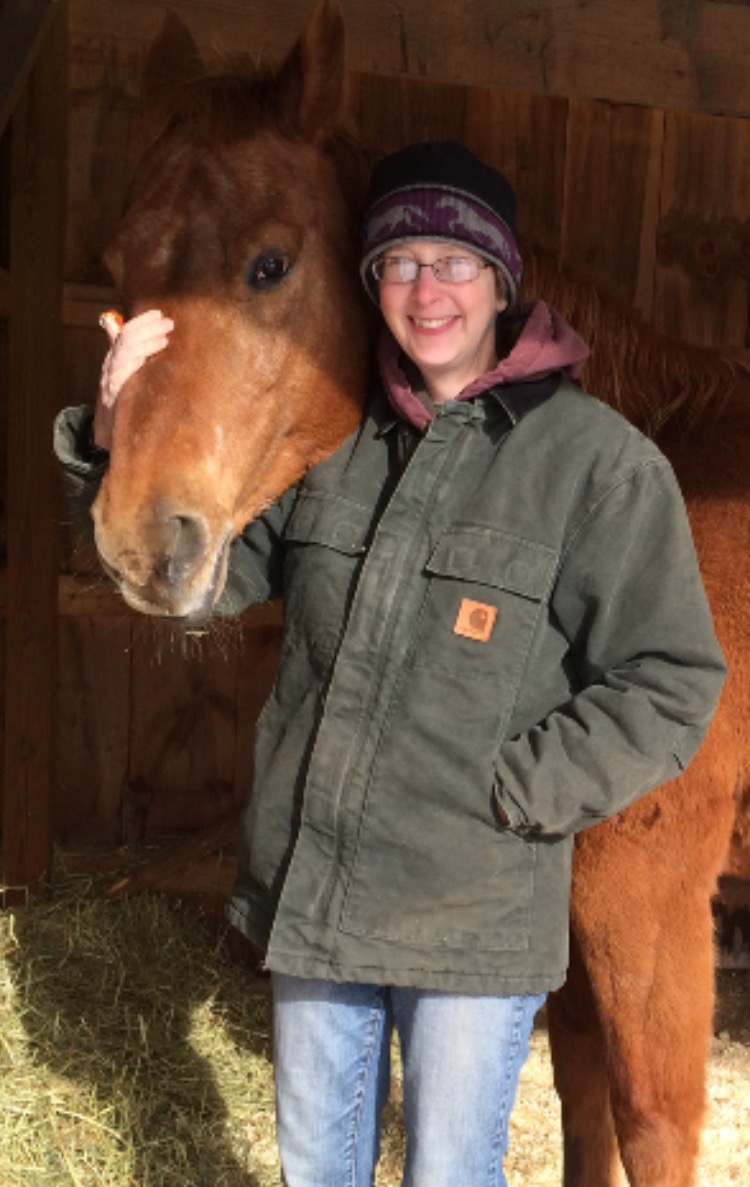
(486, 591)
(325, 544)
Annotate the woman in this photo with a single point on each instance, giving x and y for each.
(495, 636)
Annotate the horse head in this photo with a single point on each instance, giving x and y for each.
(238, 225)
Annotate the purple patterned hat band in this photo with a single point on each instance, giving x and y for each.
(440, 214)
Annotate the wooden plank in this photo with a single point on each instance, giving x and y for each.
(171, 783)
(4, 373)
(93, 728)
(38, 189)
(523, 136)
(174, 867)
(85, 347)
(81, 597)
(644, 293)
(675, 56)
(4, 292)
(5, 205)
(2, 732)
(183, 722)
(391, 112)
(22, 31)
(611, 176)
(82, 304)
(102, 157)
(702, 289)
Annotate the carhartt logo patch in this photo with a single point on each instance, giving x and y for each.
(475, 620)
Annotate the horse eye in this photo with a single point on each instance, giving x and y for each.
(268, 270)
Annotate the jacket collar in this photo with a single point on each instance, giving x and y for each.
(546, 350)
(515, 401)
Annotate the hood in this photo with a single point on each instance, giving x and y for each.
(546, 344)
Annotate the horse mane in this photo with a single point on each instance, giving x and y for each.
(654, 380)
(224, 105)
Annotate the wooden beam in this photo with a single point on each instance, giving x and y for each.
(685, 56)
(4, 292)
(82, 304)
(22, 31)
(35, 353)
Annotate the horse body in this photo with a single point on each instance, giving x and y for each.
(238, 227)
(630, 1030)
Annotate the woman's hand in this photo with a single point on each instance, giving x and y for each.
(130, 345)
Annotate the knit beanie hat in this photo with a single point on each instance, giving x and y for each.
(441, 191)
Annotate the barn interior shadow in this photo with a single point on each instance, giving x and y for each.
(109, 994)
(732, 1012)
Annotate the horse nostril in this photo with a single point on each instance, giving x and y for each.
(185, 544)
(178, 545)
(177, 542)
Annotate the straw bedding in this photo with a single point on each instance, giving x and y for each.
(134, 1053)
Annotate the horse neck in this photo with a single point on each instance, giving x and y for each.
(653, 380)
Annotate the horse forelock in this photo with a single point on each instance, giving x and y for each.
(224, 107)
(233, 105)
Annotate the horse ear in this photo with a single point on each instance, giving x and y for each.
(309, 86)
(173, 59)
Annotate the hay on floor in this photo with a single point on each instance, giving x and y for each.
(134, 1053)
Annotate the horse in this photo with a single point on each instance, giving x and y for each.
(629, 1030)
(239, 223)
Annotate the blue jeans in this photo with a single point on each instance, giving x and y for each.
(461, 1056)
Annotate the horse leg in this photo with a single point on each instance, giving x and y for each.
(658, 1058)
(590, 1147)
(630, 1038)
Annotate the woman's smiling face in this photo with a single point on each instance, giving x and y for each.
(446, 329)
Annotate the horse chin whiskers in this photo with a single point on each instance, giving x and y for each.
(191, 610)
(162, 594)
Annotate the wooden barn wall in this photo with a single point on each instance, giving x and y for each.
(653, 53)
(4, 309)
(626, 131)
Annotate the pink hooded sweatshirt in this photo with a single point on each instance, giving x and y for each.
(547, 344)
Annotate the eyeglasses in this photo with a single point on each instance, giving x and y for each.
(448, 269)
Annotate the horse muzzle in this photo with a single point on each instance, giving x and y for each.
(171, 563)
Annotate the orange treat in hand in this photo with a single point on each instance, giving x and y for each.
(111, 321)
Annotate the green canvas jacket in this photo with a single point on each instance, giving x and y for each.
(505, 647)
(486, 650)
